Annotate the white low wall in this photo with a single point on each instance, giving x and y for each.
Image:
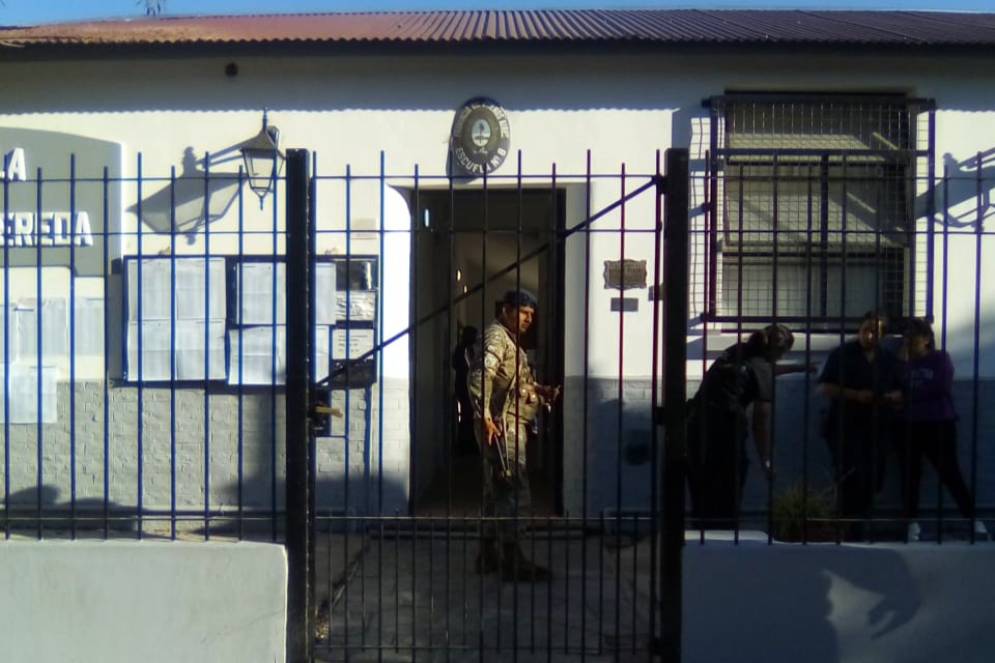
(824, 603)
(148, 601)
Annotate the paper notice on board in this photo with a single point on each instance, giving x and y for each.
(89, 327)
(154, 341)
(24, 333)
(254, 347)
(54, 329)
(360, 342)
(255, 283)
(155, 288)
(191, 339)
(325, 305)
(362, 305)
(193, 282)
(321, 361)
(23, 395)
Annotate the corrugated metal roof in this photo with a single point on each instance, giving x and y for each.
(543, 26)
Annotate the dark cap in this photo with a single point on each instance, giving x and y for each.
(520, 298)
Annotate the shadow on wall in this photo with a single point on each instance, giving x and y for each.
(91, 515)
(792, 603)
(620, 452)
(199, 195)
(968, 191)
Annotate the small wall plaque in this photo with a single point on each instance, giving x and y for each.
(625, 304)
(625, 274)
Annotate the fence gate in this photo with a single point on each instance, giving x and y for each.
(389, 522)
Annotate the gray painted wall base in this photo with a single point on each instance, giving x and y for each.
(111, 601)
(824, 603)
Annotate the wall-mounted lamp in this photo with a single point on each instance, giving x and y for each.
(263, 159)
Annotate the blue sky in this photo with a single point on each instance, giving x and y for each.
(27, 12)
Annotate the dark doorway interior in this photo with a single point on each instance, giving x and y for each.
(461, 239)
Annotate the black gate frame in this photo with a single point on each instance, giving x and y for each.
(672, 190)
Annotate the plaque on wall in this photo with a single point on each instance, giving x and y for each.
(480, 138)
(625, 274)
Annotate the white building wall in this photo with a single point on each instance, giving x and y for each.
(352, 111)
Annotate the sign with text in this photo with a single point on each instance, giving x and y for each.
(53, 214)
(625, 274)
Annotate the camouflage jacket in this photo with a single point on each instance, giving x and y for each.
(503, 372)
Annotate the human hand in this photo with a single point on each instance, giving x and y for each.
(551, 394)
(492, 431)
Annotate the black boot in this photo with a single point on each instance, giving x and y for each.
(516, 567)
(488, 560)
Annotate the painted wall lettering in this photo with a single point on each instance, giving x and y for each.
(50, 229)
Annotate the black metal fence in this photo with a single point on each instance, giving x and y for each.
(818, 241)
(149, 392)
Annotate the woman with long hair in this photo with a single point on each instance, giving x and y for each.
(931, 425)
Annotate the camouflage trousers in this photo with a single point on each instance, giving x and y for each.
(506, 482)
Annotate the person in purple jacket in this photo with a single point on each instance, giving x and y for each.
(931, 425)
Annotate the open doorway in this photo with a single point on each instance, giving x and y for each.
(502, 239)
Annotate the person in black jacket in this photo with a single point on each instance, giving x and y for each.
(718, 425)
(863, 382)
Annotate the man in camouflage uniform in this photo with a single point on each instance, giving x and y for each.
(506, 400)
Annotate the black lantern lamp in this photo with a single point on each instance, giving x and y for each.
(263, 159)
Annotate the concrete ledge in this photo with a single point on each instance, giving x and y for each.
(142, 601)
(824, 603)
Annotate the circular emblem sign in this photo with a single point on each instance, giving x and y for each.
(480, 138)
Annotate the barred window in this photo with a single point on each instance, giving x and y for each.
(815, 206)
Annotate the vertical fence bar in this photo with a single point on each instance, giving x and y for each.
(451, 293)
(380, 400)
(675, 392)
(207, 346)
(312, 442)
(620, 416)
(72, 345)
(6, 359)
(806, 404)
(299, 250)
(737, 457)
(654, 398)
(275, 247)
(240, 450)
(943, 330)
(39, 300)
(141, 375)
(976, 362)
(347, 425)
(771, 424)
(930, 212)
(419, 230)
(518, 442)
(585, 402)
(487, 528)
(172, 353)
(708, 301)
(107, 348)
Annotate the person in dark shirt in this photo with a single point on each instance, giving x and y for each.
(862, 381)
(718, 426)
(931, 425)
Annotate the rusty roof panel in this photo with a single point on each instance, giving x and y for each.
(546, 26)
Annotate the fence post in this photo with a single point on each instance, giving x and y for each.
(675, 320)
(299, 481)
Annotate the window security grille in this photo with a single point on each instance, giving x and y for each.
(814, 218)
